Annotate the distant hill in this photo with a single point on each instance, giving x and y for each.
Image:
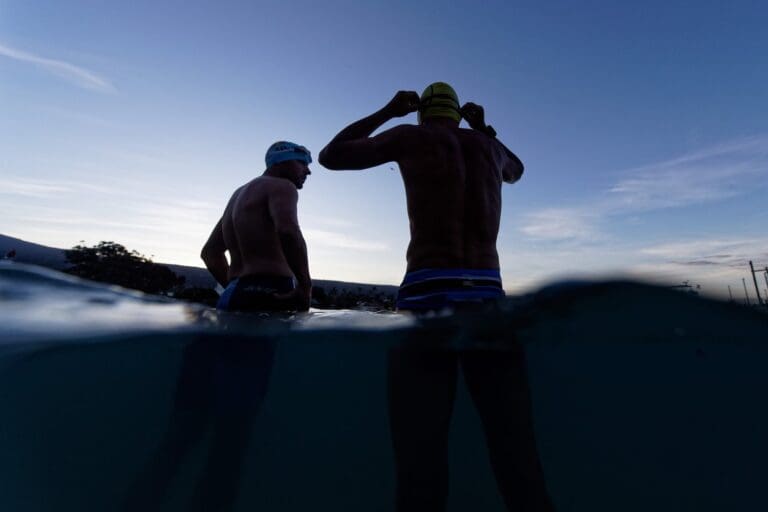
(27, 252)
(52, 257)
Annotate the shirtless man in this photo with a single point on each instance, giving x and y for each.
(222, 383)
(452, 179)
(269, 270)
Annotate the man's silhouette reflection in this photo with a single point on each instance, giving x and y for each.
(221, 386)
(422, 379)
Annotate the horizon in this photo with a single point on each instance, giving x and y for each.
(643, 129)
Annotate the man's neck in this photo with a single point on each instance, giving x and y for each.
(439, 121)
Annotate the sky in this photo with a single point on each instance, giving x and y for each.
(643, 127)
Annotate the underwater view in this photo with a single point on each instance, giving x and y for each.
(622, 396)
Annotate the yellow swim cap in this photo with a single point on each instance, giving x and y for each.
(439, 100)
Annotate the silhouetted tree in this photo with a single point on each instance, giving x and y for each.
(109, 262)
(372, 299)
(207, 296)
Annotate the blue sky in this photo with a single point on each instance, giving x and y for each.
(644, 128)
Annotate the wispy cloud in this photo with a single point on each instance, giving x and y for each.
(74, 74)
(722, 172)
(31, 188)
(712, 263)
(78, 117)
(725, 171)
(559, 224)
(729, 252)
(103, 210)
(44, 189)
(342, 241)
(335, 222)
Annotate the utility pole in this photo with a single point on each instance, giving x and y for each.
(729, 293)
(754, 278)
(765, 275)
(746, 293)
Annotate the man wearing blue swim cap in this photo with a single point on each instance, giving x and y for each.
(222, 383)
(453, 178)
(268, 268)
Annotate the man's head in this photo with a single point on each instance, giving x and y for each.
(288, 160)
(439, 100)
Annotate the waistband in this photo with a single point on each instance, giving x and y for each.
(427, 289)
(254, 292)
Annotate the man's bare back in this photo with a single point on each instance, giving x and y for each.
(268, 267)
(249, 230)
(453, 190)
(452, 179)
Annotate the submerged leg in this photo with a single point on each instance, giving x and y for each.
(498, 384)
(218, 487)
(422, 388)
(240, 383)
(188, 423)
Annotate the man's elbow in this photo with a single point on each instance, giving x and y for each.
(208, 254)
(323, 159)
(327, 160)
(513, 171)
(512, 176)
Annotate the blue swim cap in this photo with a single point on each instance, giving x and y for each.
(283, 150)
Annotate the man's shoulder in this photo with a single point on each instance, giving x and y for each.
(278, 187)
(264, 188)
(269, 183)
(453, 133)
(474, 135)
(409, 137)
(403, 130)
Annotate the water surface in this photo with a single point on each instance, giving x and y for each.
(642, 398)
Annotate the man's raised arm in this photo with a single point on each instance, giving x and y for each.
(353, 148)
(512, 168)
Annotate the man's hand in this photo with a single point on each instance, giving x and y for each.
(299, 298)
(403, 104)
(474, 115)
(303, 298)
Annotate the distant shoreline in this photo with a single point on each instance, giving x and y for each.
(53, 257)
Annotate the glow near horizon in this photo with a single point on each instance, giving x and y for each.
(643, 130)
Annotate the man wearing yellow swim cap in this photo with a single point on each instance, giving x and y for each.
(452, 179)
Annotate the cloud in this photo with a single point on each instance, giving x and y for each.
(78, 117)
(335, 222)
(342, 241)
(715, 174)
(712, 263)
(723, 172)
(559, 224)
(77, 75)
(729, 252)
(127, 209)
(31, 188)
(45, 189)
(672, 189)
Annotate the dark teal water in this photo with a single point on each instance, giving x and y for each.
(642, 398)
